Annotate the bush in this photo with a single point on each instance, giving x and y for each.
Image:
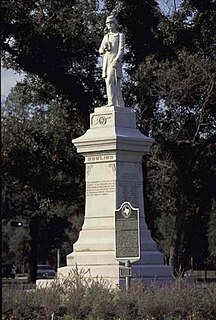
(19, 304)
(78, 298)
(49, 299)
(94, 297)
(178, 301)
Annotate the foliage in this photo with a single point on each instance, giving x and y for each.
(140, 20)
(80, 297)
(57, 41)
(18, 245)
(42, 174)
(178, 94)
(180, 185)
(94, 297)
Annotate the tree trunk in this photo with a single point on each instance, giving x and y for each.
(33, 243)
(178, 231)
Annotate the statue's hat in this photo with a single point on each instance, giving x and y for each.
(111, 18)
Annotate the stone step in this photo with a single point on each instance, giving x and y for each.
(109, 271)
(108, 257)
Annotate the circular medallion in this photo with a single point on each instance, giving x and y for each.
(102, 120)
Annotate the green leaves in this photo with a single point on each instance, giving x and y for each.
(41, 171)
(176, 98)
(56, 41)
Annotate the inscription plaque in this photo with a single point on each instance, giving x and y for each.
(129, 184)
(127, 235)
(99, 188)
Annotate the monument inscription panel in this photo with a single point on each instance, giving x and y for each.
(127, 237)
(129, 183)
(99, 188)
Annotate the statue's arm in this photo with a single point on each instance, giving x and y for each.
(102, 46)
(121, 47)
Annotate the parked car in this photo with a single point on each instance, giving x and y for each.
(8, 270)
(45, 271)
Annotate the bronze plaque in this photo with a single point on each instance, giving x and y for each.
(127, 235)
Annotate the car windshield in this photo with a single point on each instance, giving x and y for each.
(44, 267)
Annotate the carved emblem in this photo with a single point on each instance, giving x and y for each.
(112, 166)
(102, 121)
(88, 169)
(126, 211)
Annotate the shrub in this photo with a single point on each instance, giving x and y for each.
(19, 303)
(87, 298)
(81, 298)
(127, 302)
(100, 301)
(49, 298)
(178, 301)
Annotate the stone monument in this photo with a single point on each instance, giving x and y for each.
(113, 148)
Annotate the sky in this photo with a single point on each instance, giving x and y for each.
(9, 78)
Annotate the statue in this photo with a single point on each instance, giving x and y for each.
(112, 49)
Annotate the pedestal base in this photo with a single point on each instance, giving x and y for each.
(113, 150)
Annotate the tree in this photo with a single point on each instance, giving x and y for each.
(184, 126)
(18, 245)
(139, 20)
(41, 171)
(57, 41)
(178, 110)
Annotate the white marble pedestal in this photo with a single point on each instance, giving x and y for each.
(113, 150)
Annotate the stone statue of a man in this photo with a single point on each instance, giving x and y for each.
(112, 49)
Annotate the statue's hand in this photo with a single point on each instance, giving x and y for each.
(107, 46)
(115, 63)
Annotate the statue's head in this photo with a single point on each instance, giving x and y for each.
(111, 22)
